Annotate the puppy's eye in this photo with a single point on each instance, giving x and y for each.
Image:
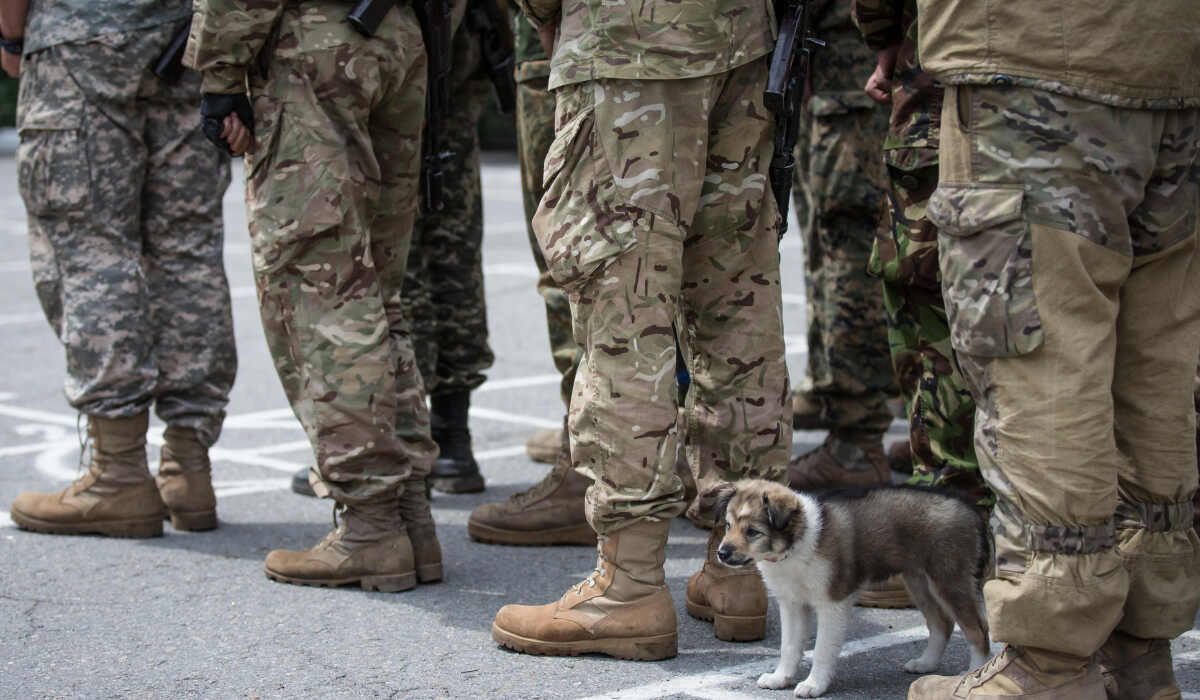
(751, 533)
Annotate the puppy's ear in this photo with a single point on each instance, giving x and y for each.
(721, 493)
(778, 514)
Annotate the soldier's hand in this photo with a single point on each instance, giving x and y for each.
(11, 63)
(547, 33)
(228, 122)
(879, 85)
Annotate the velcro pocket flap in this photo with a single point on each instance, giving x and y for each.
(965, 210)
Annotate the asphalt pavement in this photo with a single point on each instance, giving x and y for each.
(192, 615)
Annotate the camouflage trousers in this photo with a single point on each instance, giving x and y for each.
(535, 133)
(658, 222)
(849, 368)
(124, 195)
(1068, 253)
(443, 287)
(332, 193)
(941, 412)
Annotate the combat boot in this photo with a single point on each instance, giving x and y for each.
(455, 470)
(300, 483)
(806, 412)
(1137, 669)
(846, 458)
(623, 609)
(368, 547)
(1017, 672)
(422, 533)
(888, 593)
(185, 480)
(733, 599)
(117, 497)
(551, 512)
(542, 446)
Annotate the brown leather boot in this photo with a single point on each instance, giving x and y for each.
(735, 600)
(1017, 672)
(117, 496)
(542, 446)
(368, 548)
(846, 458)
(623, 609)
(888, 593)
(551, 512)
(422, 533)
(185, 480)
(1137, 669)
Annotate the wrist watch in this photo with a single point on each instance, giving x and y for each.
(13, 46)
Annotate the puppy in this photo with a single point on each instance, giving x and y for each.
(817, 550)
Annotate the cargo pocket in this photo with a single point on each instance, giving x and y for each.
(581, 223)
(53, 170)
(985, 252)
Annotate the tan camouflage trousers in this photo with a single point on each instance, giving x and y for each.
(535, 133)
(1068, 254)
(124, 200)
(443, 287)
(658, 221)
(332, 193)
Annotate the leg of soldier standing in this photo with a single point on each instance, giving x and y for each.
(1046, 344)
(81, 163)
(314, 238)
(188, 295)
(551, 512)
(453, 241)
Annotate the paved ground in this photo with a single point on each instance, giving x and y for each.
(191, 615)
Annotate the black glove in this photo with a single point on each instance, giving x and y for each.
(214, 107)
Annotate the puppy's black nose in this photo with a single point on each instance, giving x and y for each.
(724, 552)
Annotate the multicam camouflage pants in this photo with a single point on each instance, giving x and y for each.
(535, 132)
(849, 368)
(659, 223)
(443, 287)
(1068, 252)
(332, 192)
(941, 412)
(124, 201)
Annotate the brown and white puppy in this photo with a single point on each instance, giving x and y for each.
(817, 550)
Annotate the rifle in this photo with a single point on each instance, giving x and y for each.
(169, 66)
(786, 81)
(485, 19)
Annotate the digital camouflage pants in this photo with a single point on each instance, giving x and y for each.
(443, 286)
(332, 193)
(1067, 238)
(124, 195)
(682, 244)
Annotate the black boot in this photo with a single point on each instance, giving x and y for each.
(455, 470)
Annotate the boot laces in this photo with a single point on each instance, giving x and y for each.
(598, 572)
(537, 491)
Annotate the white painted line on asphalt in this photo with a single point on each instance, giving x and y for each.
(26, 449)
(528, 269)
(281, 447)
(500, 453)
(518, 382)
(5, 520)
(39, 416)
(225, 489)
(506, 417)
(243, 292)
(797, 299)
(745, 673)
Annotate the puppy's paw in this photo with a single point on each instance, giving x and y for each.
(774, 681)
(919, 665)
(810, 689)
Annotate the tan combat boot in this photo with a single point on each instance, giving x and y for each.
(185, 480)
(846, 458)
(551, 512)
(1017, 672)
(888, 593)
(117, 496)
(422, 533)
(734, 599)
(369, 548)
(542, 446)
(1137, 669)
(623, 609)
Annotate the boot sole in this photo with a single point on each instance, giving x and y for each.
(730, 628)
(457, 484)
(141, 528)
(198, 521)
(392, 583)
(891, 601)
(575, 535)
(653, 648)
